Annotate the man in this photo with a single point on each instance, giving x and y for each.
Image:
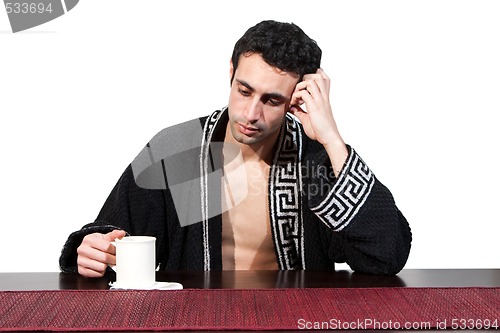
(308, 199)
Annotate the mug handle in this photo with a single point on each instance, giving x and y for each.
(113, 267)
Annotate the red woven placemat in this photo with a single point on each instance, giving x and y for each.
(270, 309)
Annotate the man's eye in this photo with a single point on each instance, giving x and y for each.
(274, 102)
(244, 92)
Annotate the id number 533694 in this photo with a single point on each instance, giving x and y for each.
(27, 8)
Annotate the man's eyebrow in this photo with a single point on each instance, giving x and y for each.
(268, 96)
(246, 84)
(277, 96)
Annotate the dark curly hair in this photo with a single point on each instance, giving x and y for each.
(281, 45)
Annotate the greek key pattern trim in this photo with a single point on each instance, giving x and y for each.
(348, 195)
(205, 147)
(285, 198)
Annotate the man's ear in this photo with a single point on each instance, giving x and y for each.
(231, 72)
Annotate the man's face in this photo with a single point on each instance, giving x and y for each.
(259, 99)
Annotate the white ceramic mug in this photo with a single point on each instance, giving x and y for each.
(135, 261)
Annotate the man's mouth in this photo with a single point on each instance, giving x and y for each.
(247, 130)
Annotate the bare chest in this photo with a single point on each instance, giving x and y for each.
(246, 233)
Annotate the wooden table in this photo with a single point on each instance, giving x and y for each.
(266, 279)
(21, 286)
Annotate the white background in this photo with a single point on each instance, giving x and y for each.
(415, 90)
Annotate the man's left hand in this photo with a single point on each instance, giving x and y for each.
(317, 119)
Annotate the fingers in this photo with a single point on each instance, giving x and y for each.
(298, 112)
(111, 236)
(316, 115)
(317, 85)
(313, 90)
(301, 96)
(90, 268)
(96, 252)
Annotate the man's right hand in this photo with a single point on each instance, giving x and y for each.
(96, 252)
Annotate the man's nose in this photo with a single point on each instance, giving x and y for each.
(254, 111)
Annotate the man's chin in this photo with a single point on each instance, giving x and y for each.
(245, 140)
(242, 138)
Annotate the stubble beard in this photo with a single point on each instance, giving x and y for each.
(242, 138)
